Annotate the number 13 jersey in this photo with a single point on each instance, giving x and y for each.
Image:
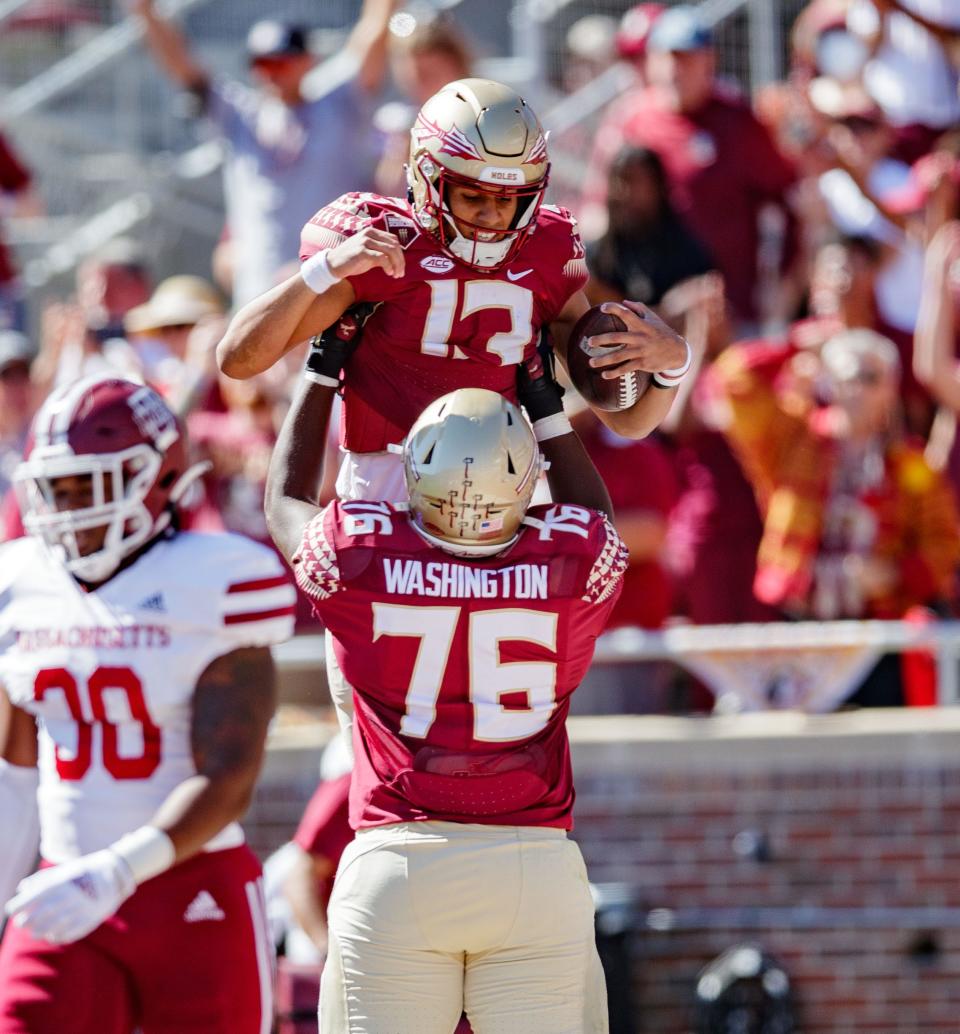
(110, 674)
(442, 325)
(462, 670)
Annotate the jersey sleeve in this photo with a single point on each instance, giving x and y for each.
(610, 558)
(315, 564)
(258, 602)
(568, 257)
(334, 223)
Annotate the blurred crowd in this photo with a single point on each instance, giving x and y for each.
(806, 242)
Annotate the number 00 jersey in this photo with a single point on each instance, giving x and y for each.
(462, 670)
(110, 674)
(443, 325)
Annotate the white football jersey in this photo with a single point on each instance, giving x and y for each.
(110, 674)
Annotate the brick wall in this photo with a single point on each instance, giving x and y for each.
(859, 897)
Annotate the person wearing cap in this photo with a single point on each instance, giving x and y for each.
(16, 401)
(294, 140)
(722, 165)
(163, 333)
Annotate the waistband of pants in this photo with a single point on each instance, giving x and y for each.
(459, 830)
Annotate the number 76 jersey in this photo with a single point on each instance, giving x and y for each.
(110, 674)
(462, 670)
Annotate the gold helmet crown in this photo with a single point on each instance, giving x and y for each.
(483, 135)
(471, 464)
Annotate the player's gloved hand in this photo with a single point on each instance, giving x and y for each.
(330, 350)
(537, 388)
(65, 903)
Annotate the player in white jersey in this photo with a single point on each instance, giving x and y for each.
(138, 688)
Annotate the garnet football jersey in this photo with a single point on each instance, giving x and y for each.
(110, 674)
(462, 669)
(442, 325)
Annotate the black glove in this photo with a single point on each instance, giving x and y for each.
(537, 388)
(330, 350)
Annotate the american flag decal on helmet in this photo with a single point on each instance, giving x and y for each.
(452, 141)
(539, 153)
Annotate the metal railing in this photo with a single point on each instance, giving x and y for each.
(743, 650)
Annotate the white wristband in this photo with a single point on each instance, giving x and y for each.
(316, 274)
(148, 852)
(319, 378)
(671, 378)
(552, 426)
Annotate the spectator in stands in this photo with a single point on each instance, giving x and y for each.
(163, 332)
(935, 352)
(633, 33)
(860, 182)
(16, 402)
(288, 137)
(912, 70)
(845, 286)
(590, 47)
(425, 54)
(15, 186)
(647, 249)
(856, 523)
(84, 335)
(703, 133)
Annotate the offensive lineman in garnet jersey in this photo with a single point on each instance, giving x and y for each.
(135, 672)
(464, 621)
(465, 275)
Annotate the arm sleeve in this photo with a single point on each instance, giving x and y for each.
(258, 603)
(610, 560)
(315, 564)
(19, 826)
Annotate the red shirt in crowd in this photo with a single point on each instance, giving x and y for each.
(640, 478)
(722, 167)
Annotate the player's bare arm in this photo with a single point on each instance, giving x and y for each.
(296, 466)
(267, 327)
(169, 47)
(19, 827)
(302, 891)
(232, 706)
(647, 344)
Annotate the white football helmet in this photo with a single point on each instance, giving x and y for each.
(471, 463)
(479, 134)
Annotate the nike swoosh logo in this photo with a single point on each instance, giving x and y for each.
(518, 276)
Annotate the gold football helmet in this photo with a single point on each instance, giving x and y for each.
(482, 135)
(471, 463)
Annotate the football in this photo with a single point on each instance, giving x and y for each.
(606, 394)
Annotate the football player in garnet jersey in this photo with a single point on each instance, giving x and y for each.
(463, 620)
(135, 673)
(464, 275)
